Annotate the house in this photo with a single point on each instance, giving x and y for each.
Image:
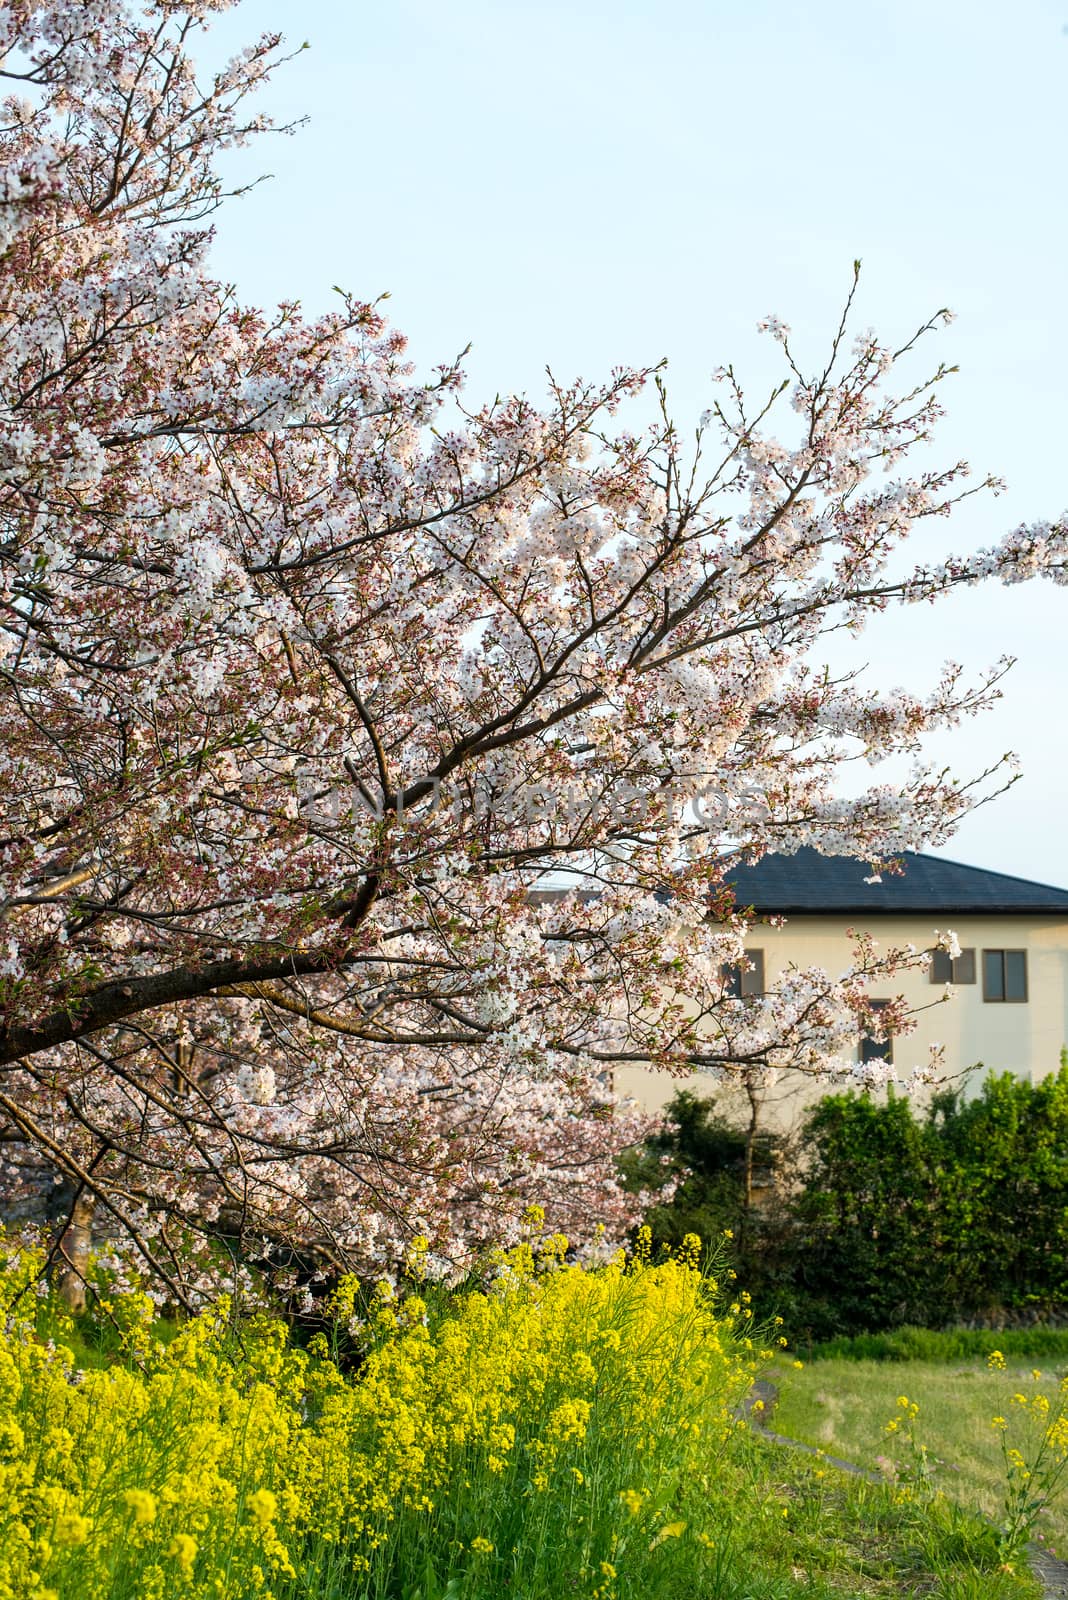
(1010, 1005)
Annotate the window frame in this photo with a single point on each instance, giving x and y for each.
(1004, 998)
(745, 983)
(877, 1049)
(954, 969)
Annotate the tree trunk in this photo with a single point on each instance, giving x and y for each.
(755, 1098)
(74, 1249)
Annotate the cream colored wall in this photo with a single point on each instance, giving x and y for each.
(1023, 1038)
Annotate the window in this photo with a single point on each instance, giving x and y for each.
(947, 969)
(1005, 975)
(876, 1049)
(743, 981)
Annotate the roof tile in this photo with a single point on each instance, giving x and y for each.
(810, 882)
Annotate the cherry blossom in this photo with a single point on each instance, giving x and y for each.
(351, 730)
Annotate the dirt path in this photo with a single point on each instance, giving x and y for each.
(1051, 1573)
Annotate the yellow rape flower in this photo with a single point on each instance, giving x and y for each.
(521, 1372)
(263, 1507)
(142, 1503)
(72, 1528)
(183, 1548)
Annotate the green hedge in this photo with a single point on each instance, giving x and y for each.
(952, 1344)
(890, 1216)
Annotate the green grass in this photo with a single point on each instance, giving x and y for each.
(843, 1406)
(788, 1527)
(93, 1340)
(775, 1525)
(1036, 1345)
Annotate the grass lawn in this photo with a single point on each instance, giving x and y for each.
(843, 1406)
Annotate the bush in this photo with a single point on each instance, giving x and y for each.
(868, 1246)
(889, 1217)
(705, 1153)
(702, 1151)
(959, 1213)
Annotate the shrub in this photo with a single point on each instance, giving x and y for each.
(704, 1154)
(960, 1212)
(869, 1251)
(890, 1216)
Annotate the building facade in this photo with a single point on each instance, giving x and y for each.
(1009, 1006)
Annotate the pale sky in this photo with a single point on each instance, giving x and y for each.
(589, 184)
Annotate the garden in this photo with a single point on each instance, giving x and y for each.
(884, 1212)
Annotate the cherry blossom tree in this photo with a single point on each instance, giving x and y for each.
(373, 764)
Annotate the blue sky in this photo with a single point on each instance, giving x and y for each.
(588, 184)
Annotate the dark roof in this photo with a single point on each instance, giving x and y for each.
(810, 882)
